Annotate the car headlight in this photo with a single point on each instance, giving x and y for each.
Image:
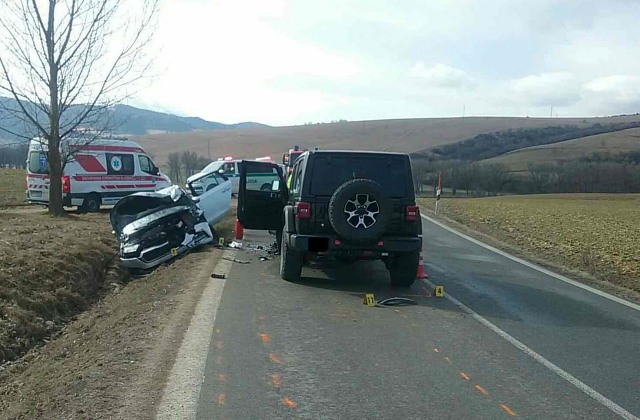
(130, 249)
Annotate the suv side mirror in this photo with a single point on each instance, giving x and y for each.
(221, 171)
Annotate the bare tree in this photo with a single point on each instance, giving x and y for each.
(65, 62)
(190, 162)
(175, 167)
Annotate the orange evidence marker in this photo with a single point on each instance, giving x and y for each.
(507, 409)
(275, 358)
(276, 381)
(289, 403)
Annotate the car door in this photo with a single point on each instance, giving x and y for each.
(260, 208)
(213, 195)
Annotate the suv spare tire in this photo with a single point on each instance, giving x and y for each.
(359, 210)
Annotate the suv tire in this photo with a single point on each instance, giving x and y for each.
(369, 206)
(403, 269)
(290, 261)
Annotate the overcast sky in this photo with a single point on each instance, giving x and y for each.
(285, 62)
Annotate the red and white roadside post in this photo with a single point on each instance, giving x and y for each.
(439, 190)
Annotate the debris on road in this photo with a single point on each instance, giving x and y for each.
(235, 244)
(396, 301)
(235, 260)
(218, 276)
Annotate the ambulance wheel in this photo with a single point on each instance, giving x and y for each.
(91, 203)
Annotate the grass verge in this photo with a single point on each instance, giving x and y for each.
(112, 361)
(51, 269)
(596, 234)
(12, 187)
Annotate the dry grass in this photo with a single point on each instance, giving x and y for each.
(594, 233)
(51, 269)
(406, 135)
(12, 187)
(114, 359)
(616, 142)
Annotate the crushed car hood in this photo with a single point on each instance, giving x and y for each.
(138, 210)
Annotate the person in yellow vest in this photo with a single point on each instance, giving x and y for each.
(289, 181)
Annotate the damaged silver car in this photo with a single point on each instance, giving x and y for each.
(153, 227)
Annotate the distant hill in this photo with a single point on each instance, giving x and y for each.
(400, 135)
(123, 119)
(613, 143)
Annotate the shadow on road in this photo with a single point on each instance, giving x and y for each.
(362, 278)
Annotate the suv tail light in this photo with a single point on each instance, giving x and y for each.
(66, 185)
(412, 214)
(303, 210)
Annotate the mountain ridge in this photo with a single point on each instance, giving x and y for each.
(123, 120)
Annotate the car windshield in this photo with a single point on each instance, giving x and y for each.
(329, 172)
(213, 166)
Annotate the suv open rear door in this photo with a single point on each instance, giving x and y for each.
(260, 207)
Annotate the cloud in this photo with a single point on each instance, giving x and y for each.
(621, 88)
(613, 94)
(548, 89)
(289, 61)
(441, 76)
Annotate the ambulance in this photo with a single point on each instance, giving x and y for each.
(99, 172)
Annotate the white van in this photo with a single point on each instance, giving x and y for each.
(100, 172)
(229, 168)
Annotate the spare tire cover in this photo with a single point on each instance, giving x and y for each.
(359, 210)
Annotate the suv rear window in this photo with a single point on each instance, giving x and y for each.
(329, 172)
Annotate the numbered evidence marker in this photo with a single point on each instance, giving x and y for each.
(221, 241)
(369, 299)
(439, 292)
(174, 252)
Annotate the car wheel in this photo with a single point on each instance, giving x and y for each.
(265, 187)
(403, 269)
(91, 203)
(360, 210)
(290, 261)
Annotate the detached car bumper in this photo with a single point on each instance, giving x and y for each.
(335, 245)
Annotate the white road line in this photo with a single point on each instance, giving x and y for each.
(181, 393)
(540, 359)
(535, 266)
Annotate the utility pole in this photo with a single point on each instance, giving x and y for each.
(551, 115)
(209, 148)
(463, 110)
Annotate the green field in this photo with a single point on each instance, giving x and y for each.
(12, 187)
(594, 233)
(616, 142)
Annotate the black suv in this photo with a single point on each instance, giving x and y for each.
(345, 205)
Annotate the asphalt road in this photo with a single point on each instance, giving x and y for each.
(313, 350)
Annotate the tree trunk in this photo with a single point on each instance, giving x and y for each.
(56, 165)
(55, 187)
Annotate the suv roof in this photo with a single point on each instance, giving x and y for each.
(359, 152)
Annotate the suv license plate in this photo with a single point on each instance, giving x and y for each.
(35, 194)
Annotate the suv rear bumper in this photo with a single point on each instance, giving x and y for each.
(334, 245)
